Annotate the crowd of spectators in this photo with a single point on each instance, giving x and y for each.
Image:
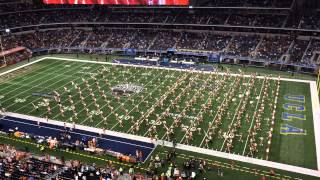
(217, 42)
(127, 17)
(31, 40)
(297, 51)
(143, 40)
(241, 20)
(253, 3)
(191, 40)
(14, 6)
(311, 53)
(188, 170)
(165, 40)
(21, 164)
(217, 19)
(262, 47)
(188, 19)
(78, 15)
(311, 21)
(272, 48)
(52, 38)
(7, 56)
(9, 41)
(85, 14)
(268, 48)
(15, 164)
(81, 40)
(273, 20)
(293, 21)
(120, 38)
(258, 20)
(69, 15)
(79, 170)
(243, 45)
(96, 38)
(24, 14)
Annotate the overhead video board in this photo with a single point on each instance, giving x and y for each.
(122, 2)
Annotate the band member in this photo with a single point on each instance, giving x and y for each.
(35, 107)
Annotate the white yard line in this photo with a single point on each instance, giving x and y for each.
(18, 84)
(316, 118)
(252, 120)
(27, 85)
(137, 104)
(164, 95)
(218, 109)
(38, 85)
(128, 100)
(39, 78)
(173, 121)
(175, 69)
(77, 102)
(149, 67)
(27, 75)
(155, 146)
(162, 116)
(106, 104)
(235, 114)
(63, 93)
(289, 168)
(264, 163)
(71, 69)
(235, 157)
(200, 110)
(25, 65)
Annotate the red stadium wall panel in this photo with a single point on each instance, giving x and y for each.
(11, 51)
(121, 2)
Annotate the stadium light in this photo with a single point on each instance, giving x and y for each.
(7, 30)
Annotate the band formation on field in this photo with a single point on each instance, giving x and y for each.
(234, 114)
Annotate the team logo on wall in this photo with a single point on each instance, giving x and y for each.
(126, 89)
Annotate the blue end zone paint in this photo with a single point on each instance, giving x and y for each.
(287, 129)
(293, 107)
(296, 98)
(118, 144)
(289, 117)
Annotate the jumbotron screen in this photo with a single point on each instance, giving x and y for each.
(122, 2)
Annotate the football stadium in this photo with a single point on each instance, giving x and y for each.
(159, 89)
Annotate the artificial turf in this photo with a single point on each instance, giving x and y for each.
(46, 76)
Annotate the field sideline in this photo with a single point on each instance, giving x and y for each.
(44, 77)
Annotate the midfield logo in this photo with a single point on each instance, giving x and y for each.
(126, 89)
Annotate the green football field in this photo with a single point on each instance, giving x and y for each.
(148, 101)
